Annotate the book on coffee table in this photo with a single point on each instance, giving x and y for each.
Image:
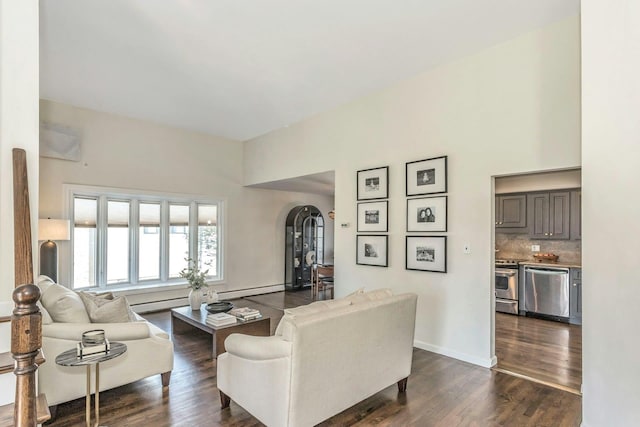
(245, 313)
(220, 319)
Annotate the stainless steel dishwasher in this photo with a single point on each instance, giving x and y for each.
(546, 291)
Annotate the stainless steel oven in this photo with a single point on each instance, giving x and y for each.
(506, 286)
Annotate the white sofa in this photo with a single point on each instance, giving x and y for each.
(323, 359)
(149, 352)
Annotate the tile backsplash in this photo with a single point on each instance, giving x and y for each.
(518, 246)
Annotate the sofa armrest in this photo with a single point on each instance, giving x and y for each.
(113, 331)
(257, 348)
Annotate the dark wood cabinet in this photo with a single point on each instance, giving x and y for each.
(549, 215)
(511, 211)
(575, 296)
(304, 246)
(576, 215)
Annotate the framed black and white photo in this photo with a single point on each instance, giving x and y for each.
(372, 250)
(427, 214)
(427, 253)
(427, 176)
(373, 183)
(372, 216)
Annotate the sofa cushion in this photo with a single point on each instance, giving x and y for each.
(285, 327)
(104, 308)
(316, 307)
(356, 292)
(64, 305)
(376, 294)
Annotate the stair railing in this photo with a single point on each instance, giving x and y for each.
(26, 322)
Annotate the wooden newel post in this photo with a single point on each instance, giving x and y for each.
(26, 340)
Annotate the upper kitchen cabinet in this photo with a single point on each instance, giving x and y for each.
(511, 212)
(576, 215)
(549, 215)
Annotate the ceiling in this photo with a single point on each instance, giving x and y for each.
(242, 68)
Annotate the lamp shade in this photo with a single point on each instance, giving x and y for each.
(53, 229)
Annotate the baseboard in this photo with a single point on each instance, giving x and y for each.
(494, 361)
(485, 363)
(251, 291)
(180, 302)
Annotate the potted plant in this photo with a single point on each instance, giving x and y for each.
(196, 280)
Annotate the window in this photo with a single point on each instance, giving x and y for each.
(126, 239)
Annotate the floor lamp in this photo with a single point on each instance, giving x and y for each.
(48, 231)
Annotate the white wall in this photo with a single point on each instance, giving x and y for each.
(610, 227)
(128, 153)
(512, 108)
(539, 181)
(19, 87)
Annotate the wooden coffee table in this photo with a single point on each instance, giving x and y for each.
(183, 319)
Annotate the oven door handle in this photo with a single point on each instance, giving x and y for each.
(505, 273)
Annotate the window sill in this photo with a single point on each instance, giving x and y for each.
(148, 287)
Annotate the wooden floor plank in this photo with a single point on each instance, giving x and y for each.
(441, 392)
(548, 351)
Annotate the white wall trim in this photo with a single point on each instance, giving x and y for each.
(180, 302)
(485, 363)
(251, 291)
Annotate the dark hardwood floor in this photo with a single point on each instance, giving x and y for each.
(441, 392)
(542, 349)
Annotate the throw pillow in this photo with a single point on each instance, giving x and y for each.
(64, 305)
(101, 309)
(46, 317)
(43, 283)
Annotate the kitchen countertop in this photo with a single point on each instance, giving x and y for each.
(552, 264)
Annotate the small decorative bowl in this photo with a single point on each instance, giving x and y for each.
(219, 307)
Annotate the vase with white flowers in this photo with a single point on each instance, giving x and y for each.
(196, 280)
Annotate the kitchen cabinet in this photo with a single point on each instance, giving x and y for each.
(548, 215)
(575, 296)
(576, 215)
(511, 212)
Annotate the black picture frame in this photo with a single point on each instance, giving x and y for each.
(372, 184)
(427, 214)
(372, 250)
(373, 217)
(427, 176)
(426, 253)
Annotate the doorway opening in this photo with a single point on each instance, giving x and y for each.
(538, 277)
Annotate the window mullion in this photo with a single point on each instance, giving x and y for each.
(101, 251)
(193, 232)
(72, 224)
(134, 247)
(164, 240)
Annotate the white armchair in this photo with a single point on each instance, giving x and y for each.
(64, 317)
(149, 352)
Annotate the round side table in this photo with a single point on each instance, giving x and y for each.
(70, 358)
